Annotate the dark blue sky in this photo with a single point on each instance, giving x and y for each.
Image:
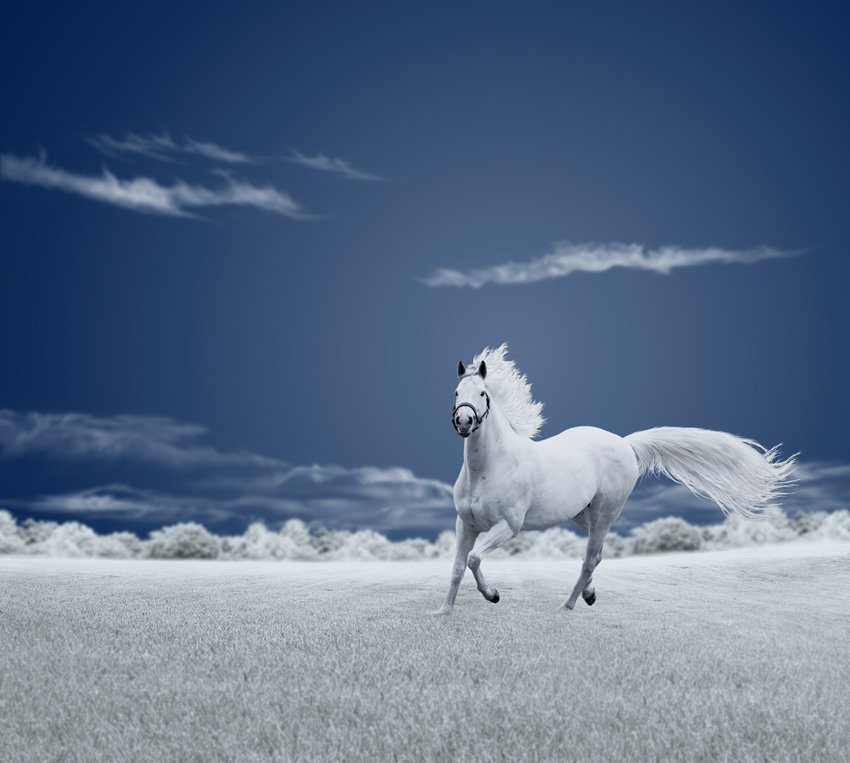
(309, 337)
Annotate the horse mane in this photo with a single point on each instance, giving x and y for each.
(510, 388)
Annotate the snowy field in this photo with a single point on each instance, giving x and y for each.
(722, 656)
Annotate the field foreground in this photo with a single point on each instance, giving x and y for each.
(732, 655)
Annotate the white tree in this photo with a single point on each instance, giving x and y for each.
(11, 537)
(836, 526)
(187, 540)
(739, 532)
(666, 534)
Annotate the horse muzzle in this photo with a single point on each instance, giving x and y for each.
(463, 422)
(465, 418)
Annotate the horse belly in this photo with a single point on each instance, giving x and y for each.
(551, 510)
(564, 486)
(576, 467)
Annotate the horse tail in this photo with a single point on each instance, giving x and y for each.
(739, 475)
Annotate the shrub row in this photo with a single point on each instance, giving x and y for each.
(189, 540)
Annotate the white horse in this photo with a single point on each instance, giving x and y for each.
(510, 482)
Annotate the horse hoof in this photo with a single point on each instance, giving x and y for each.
(495, 599)
(591, 600)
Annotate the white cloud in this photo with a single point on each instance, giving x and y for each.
(108, 500)
(145, 194)
(566, 259)
(164, 147)
(216, 153)
(147, 439)
(329, 164)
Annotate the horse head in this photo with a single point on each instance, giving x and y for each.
(472, 401)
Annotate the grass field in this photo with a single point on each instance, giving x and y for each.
(725, 656)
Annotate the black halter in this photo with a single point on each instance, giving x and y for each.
(478, 419)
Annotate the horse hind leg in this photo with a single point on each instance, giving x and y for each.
(585, 579)
(597, 520)
(588, 593)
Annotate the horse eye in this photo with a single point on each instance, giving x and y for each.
(455, 394)
(482, 394)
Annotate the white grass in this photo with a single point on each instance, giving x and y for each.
(734, 655)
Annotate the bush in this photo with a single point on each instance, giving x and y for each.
(35, 532)
(836, 526)
(616, 546)
(329, 541)
(296, 541)
(445, 545)
(557, 543)
(258, 542)
(11, 538)
(521, 544)
(122, 545)
(187, 540)
(69, 539)
(667, 534)
(366, 544)
(739, 532)
(807, 522)
(298, 535)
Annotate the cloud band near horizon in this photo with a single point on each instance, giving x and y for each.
(567, 258)
(187, 478)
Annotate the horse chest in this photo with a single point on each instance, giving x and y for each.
(481, 502)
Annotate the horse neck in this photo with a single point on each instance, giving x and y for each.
(491, 442)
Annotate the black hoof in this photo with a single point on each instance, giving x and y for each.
(495, 599)
(591, 600)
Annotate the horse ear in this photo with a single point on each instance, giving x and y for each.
(482, 370)
(461, 368)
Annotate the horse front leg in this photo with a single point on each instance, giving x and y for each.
(464, 539)
(484, 544)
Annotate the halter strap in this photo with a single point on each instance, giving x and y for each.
(478, 419)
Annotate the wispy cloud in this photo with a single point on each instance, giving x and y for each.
(566, 259)
(217, 153)
(146, 195)
(147, 439)
(345, 502)
(329, 164)
(165, 148)
(192, 479)
(113, 500)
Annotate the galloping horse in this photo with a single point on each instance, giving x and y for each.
(510, 482)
